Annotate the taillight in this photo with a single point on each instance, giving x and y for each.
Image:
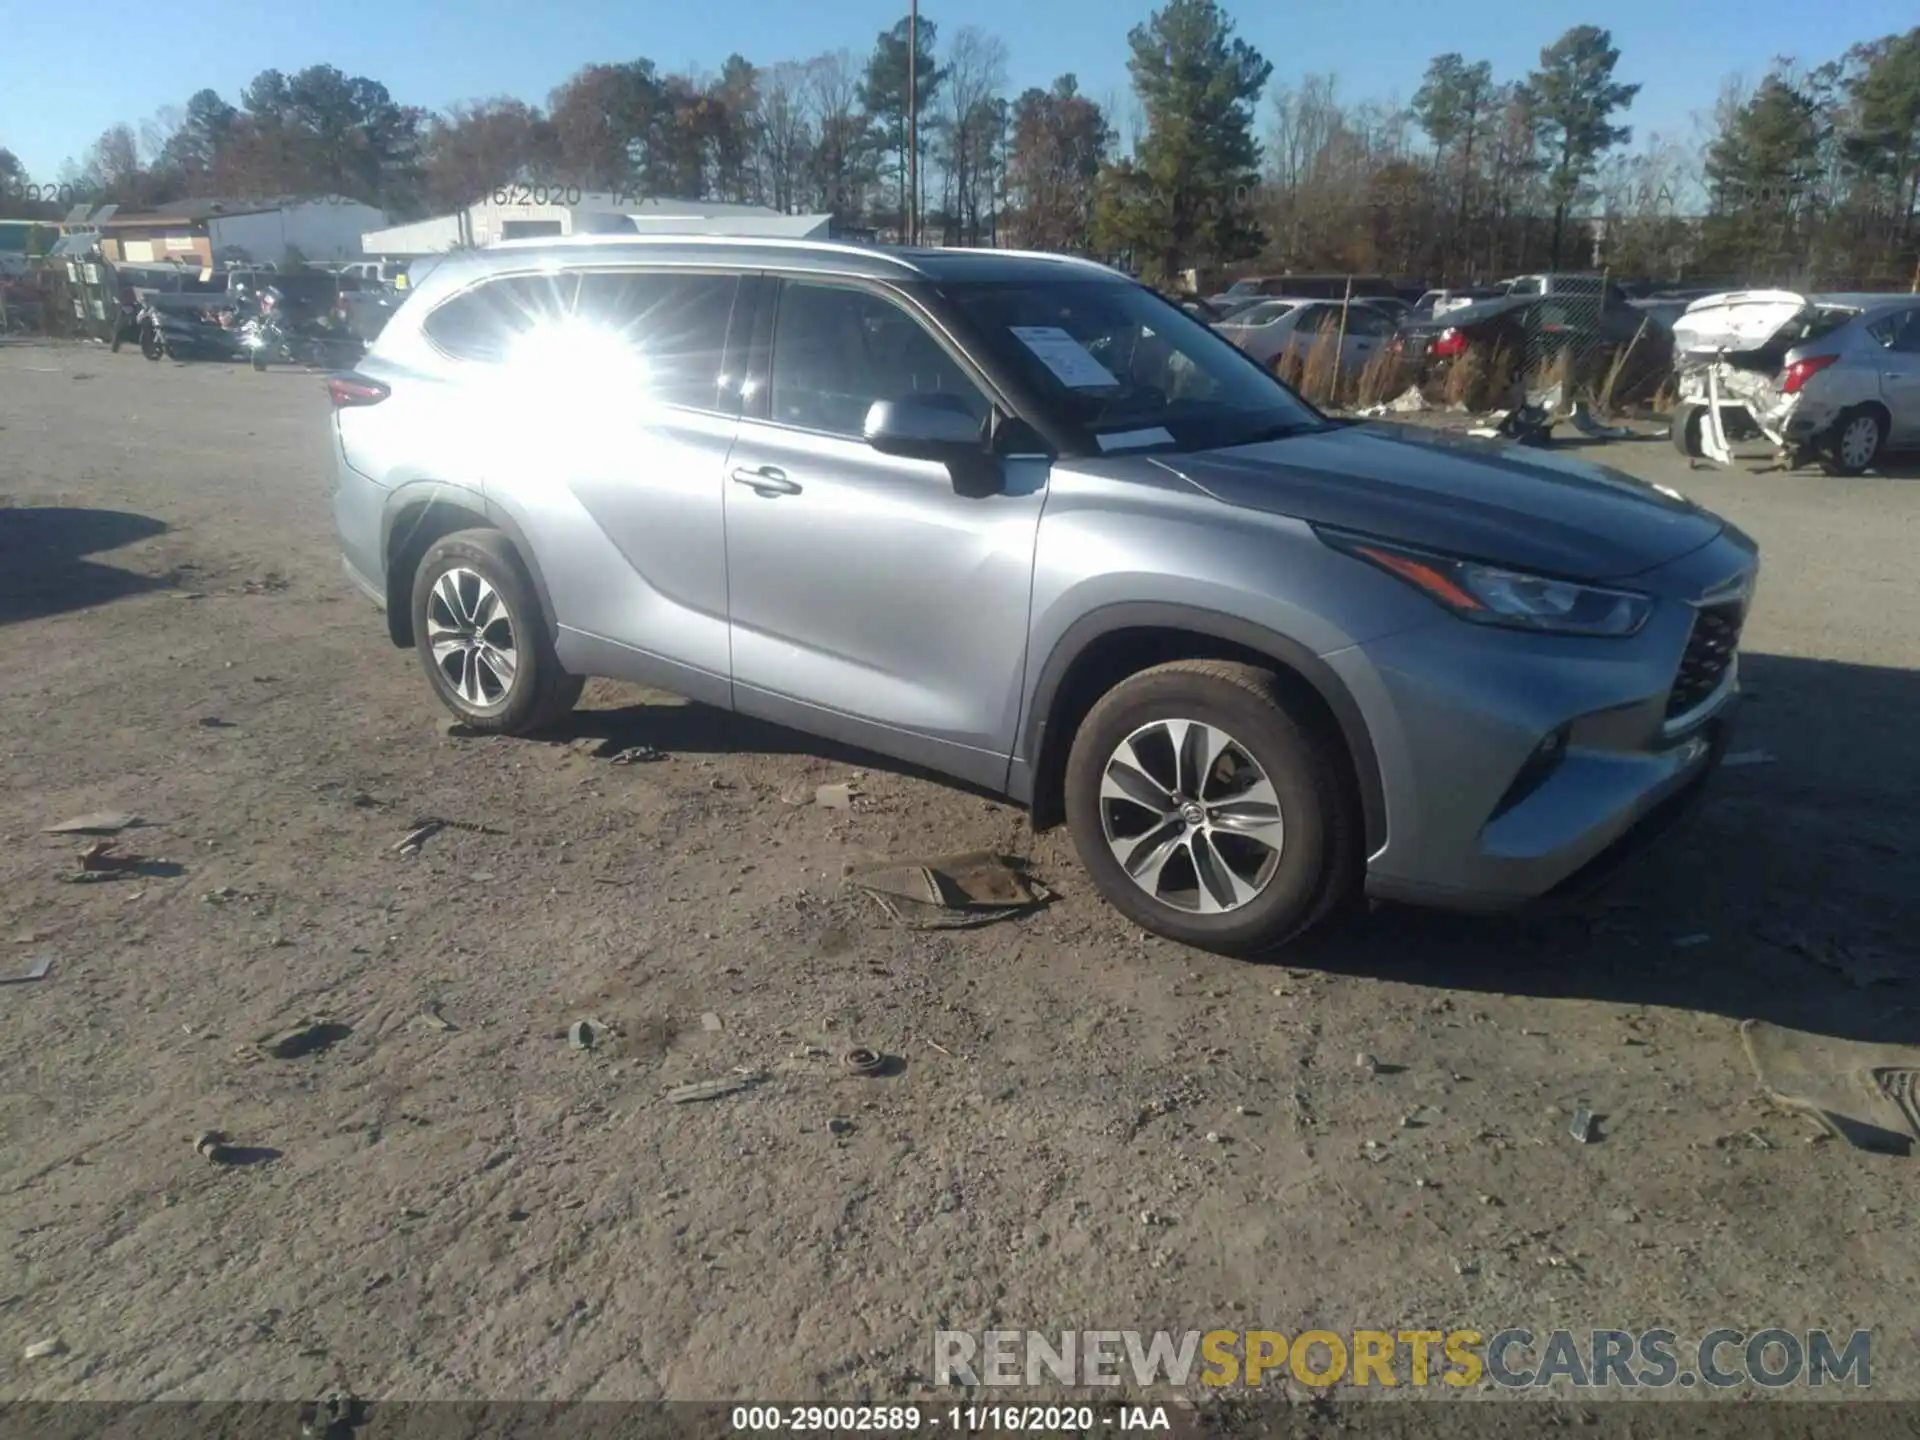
(1801, 371)
(1449, 342)
(351, 391)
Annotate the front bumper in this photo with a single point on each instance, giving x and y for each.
(1475, 819)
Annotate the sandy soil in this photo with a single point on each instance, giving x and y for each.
(471, 1207)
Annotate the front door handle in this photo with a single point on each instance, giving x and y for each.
(767, 479)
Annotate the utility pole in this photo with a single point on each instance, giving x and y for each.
(913, 122)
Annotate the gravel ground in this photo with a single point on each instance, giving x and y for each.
(1081, 1127)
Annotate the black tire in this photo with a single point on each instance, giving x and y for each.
(540, 692)
(1684, 429)
(1831, 459)
(114, 348)
(259, 360)
(1320, 857)
(151, 346)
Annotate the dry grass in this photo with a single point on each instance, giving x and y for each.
(1314, 370)
(1482, 379)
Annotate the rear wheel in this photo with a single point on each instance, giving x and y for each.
(483, 640)
(151, 346)
(1854, 442)
(1211, 808)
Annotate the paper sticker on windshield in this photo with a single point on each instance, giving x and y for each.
(1135, 439)
(1065, 356)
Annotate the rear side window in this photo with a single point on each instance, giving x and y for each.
(483, 323)
(676, 323)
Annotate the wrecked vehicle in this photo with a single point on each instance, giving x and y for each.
(1830, 378)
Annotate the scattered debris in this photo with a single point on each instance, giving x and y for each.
(712, 1089)
(45, 1349)
(585, 1034)
(835, 797)
(221, 895)
(1366, 1062)
(639, 755)
(709, 1021)
(214, 722)
(1687, 942)
(307, 1038)
(1759, 1140)
(862, 1061)
(1623, 1216)
(1408, 402)
(1154, 1218)
(99, 822)
(1584, 1127)
(1582, 420)
(418, 837)
(1865, 1094)
(434, 1020)
(1214, 1137)
(950, 892)
(1747, 757)
(211, 1146)
(104, 855)
(839, 1125)
(334, 1418)
(35, 971)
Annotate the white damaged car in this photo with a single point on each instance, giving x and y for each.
(1832, 378)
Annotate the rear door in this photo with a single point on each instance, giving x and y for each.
(1898, 337)
(599, 410)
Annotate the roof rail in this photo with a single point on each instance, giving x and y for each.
(618, 239)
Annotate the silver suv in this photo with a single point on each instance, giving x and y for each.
(1018, 519)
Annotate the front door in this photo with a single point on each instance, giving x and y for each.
(868, 599)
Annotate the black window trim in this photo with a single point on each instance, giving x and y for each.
(726, 406)
(759, 408)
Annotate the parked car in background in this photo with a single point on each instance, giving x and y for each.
(1515, 335)
(1392, 306)
(1255, 658)
(1439, 302)
(1835, 378)
(1272, 330)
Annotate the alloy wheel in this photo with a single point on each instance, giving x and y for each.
(471, 635)
(1191, 817)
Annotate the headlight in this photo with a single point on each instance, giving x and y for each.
(1492, 595)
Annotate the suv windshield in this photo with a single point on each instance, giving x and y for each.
(1111, 360)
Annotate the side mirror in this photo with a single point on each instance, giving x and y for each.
(915, 430)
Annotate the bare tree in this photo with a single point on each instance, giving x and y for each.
(970, 128)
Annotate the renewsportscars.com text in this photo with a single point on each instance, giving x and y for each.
(1514, 1358)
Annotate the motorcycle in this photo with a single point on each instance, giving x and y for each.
(190, 331)
(126, 325)
(281, 331)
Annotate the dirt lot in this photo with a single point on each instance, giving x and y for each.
(1084, 1127)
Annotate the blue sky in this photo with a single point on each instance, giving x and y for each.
(57, 95)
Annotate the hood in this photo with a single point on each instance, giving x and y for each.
(1738, 321)
(1477, 499)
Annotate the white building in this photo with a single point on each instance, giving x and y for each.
(520, 212)
(323, 227)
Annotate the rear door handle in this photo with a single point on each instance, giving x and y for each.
(767, 479)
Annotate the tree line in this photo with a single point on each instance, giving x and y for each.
(1811, 174)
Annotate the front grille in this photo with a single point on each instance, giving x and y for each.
(1709, 654)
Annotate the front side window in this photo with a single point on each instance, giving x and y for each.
(1114, 365)
(837, 350)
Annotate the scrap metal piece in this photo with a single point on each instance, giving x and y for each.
(949, 892)
(1582, 1128)
(98, 822)
(35, 971)
(711, 1089)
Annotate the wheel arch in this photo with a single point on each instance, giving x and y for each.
(1107, 645)
(426, 512)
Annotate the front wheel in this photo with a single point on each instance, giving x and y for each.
(482, 639)
(1854, 443)
(1211, 807)
(151, 345)
(259, 358)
